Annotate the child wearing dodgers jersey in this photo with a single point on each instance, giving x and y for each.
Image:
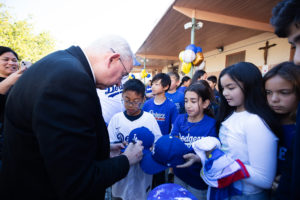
(136, 184)
(160, 107)
(175, 95)
(163, 110)
(282, 86)
(189, 127)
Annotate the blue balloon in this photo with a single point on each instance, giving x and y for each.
(148, 75)
(199, 49)
(135, 62)
(191, 47)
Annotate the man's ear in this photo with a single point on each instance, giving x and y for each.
(114, 56)
(110, 57)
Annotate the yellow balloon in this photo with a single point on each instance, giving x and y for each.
(186, 67)
(144, 73)
(199, 59)
(181, 55)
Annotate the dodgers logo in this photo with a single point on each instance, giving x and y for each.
(113, 91)
(158, 116)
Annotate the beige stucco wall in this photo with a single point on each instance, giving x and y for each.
(215, 61)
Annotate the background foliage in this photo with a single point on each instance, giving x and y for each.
(19, 35)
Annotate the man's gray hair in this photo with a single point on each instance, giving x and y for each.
(108, 42)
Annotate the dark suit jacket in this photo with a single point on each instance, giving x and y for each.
(56, 144)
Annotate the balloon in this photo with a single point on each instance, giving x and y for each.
(143, 73)
(148, 75)
(200, 66)
(191, 47)
(188, 56)
(181, 56)
(131, 76)
(199, 59)
(135, 62)
(186, 67)
(199, 49)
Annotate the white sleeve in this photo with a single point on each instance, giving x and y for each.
(112, 129)
(262, 151)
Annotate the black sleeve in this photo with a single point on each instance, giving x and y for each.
(64, 120)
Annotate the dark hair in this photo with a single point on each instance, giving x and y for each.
(202, 89)
(165, 80)
(284, 14)
(212, 78)
(7, 49)
(198, 74)
(174, 74)
(183, 80)
(134, 85)
(290, 72)
(250, 77)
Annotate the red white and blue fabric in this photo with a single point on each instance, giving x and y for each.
(219, 171)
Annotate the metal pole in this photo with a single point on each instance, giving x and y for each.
(193, 31)
(193, 39)
(145, 69)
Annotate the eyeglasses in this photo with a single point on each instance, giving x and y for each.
(127, 73)
(134, 103)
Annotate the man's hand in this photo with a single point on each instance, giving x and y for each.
(190, 158)
(134, 152)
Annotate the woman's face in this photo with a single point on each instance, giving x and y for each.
(8, 64)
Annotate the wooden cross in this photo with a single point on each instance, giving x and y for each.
(265, 48)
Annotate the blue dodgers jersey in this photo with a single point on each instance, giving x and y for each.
(148, 89)
(165, 114)
(181, 89)
(285, 147)
(178, 99)
(189, 132)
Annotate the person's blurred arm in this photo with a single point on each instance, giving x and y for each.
(6, 84)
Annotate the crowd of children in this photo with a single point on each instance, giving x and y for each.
(254, 122)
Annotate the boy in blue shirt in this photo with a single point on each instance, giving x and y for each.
(160, 107)
(175, 95)
(163, 110)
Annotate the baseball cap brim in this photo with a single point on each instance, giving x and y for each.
(149, 165)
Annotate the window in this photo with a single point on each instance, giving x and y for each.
(235, 58)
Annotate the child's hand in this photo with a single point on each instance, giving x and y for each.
(115, 149)
(207, 153)
(190, 158)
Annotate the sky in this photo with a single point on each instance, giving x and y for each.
(80, 22)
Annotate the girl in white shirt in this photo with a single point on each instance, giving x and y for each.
(246, 128)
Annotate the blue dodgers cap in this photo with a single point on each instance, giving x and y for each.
(167, 152)
(143, 134)
(170, 191)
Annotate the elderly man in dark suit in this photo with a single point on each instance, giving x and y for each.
(56, 144)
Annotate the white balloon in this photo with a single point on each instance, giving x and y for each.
(201, 66)
(188, 56)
